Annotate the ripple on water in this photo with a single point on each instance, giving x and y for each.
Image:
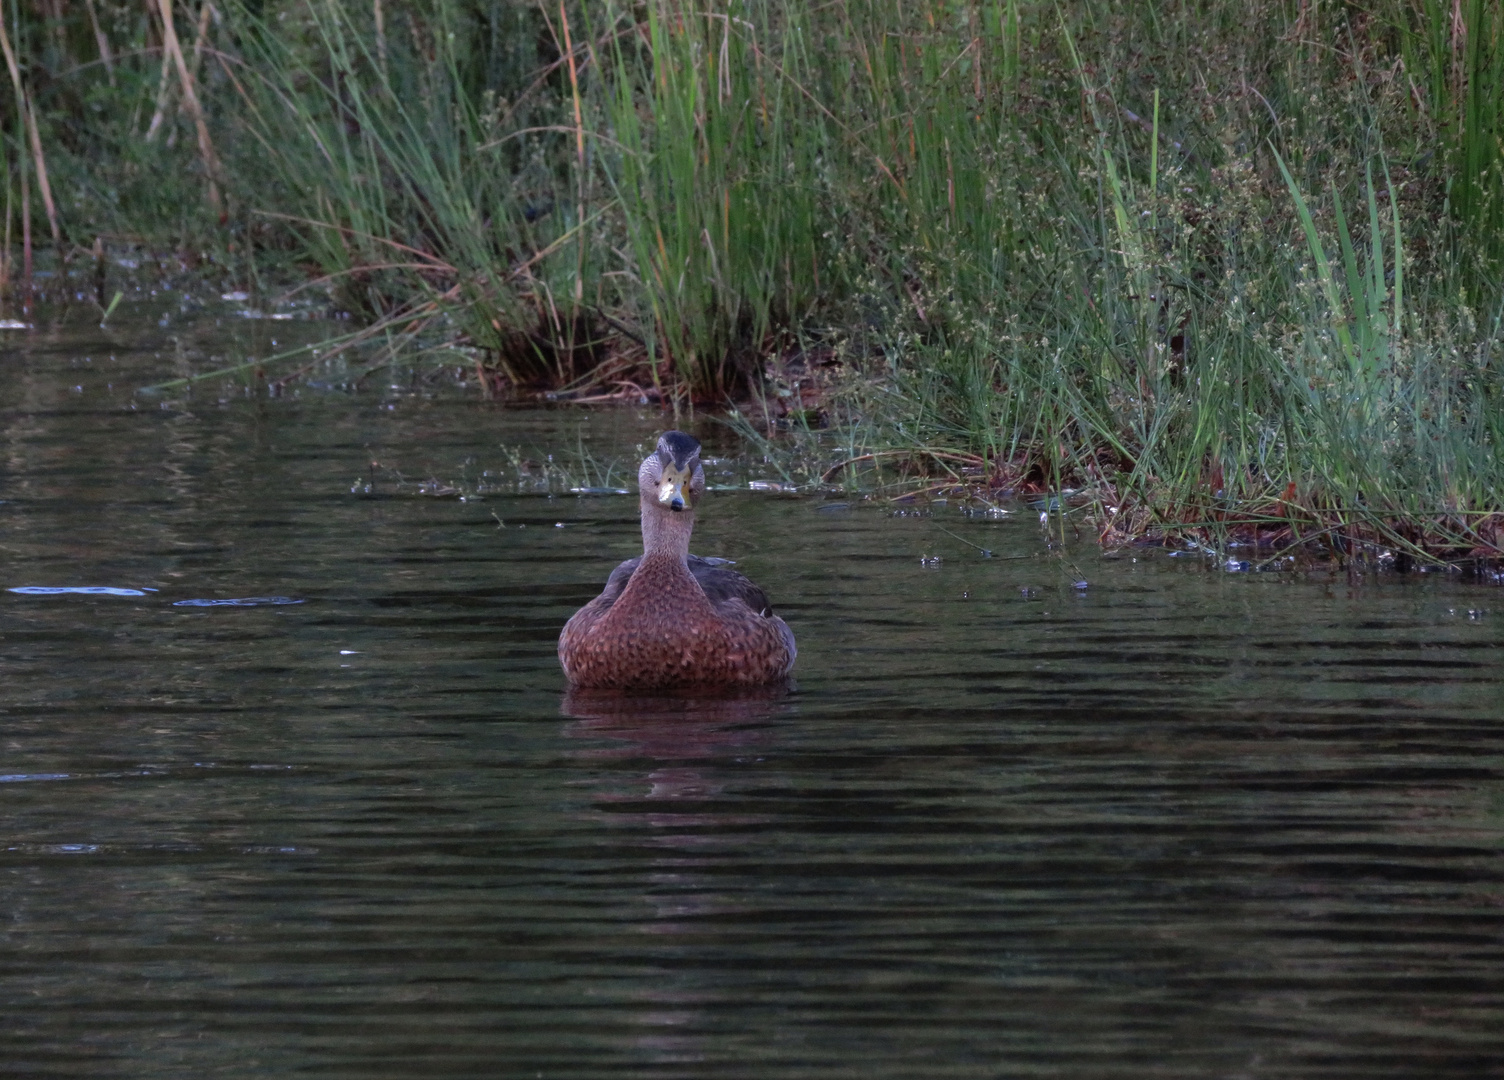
(79, 590)
(1179, 824)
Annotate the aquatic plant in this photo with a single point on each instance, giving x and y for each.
(1027, 248)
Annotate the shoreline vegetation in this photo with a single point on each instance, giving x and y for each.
(1225, 273)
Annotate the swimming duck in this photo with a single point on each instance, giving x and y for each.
(669, 619)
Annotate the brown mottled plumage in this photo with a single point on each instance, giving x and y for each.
(668, 618)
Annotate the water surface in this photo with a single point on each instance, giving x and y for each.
(1177, 823)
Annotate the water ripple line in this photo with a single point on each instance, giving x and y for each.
(81, 590)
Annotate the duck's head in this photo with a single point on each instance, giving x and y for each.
(671, 477)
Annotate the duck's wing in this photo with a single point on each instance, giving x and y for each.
(716, 579)
(721, 584)
(618, 580)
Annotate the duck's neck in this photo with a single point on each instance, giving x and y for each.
(665, 534)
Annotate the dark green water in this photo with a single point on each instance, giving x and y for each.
(1179, 823)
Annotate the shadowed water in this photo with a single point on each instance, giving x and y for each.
(304, 794)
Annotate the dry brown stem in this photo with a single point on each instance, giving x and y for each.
(105, 56)
(23, 107)
(190, 98)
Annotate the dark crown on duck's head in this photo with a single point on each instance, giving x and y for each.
(679, 449)
(671, 475)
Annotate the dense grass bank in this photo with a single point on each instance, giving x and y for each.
(1229, 270)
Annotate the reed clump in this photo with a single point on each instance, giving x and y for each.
(1229, 272)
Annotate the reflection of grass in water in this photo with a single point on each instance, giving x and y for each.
(577, 469)
(854, 458)
(802, 460)
(521, 471)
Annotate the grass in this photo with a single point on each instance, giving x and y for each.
(1229, 272)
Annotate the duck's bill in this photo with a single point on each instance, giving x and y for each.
(673, 489)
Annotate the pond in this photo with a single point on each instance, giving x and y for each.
(1171, 822)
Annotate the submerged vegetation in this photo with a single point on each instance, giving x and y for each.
(1229, 271)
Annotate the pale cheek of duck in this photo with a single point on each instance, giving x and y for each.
(675, 488)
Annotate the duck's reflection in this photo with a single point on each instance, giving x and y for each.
(711, 732)
(692, 745)
(664, 773)
(630, 709)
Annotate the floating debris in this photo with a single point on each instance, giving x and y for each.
(1472, 614)
(436, 490)
(14, 324)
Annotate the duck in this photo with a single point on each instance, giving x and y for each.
(667, 619)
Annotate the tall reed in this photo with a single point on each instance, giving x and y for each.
(716, 166)
(1225, 266)
(1453, 53)
(406, 178)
